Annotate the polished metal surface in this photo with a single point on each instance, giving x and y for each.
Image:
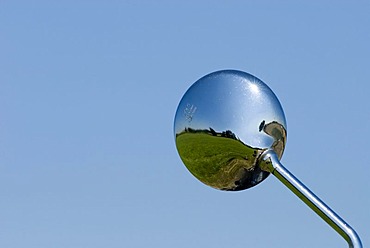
(230, 132)
(222, 125)
(270, 162)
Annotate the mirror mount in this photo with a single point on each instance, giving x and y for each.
(230, 132)
(271, 163)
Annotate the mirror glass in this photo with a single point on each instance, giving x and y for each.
(223, 124)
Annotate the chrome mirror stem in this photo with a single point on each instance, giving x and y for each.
(230, 132)
(271, 163)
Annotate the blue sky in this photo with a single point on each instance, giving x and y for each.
(88, 93)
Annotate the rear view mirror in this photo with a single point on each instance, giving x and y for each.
(230, 132)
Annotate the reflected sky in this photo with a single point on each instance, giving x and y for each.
(230, 100)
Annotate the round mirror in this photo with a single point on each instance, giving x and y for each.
(223, 124)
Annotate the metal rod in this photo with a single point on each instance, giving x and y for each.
(273, 165)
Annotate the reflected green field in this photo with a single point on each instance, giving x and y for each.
(219, 162)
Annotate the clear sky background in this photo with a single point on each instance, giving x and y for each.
(88, 93)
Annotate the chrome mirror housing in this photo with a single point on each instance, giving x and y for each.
(230, 132)
(223, 124)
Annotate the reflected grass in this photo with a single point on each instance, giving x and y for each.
(219, 162)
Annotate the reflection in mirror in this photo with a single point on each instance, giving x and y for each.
(223, 124)
(230, 132)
